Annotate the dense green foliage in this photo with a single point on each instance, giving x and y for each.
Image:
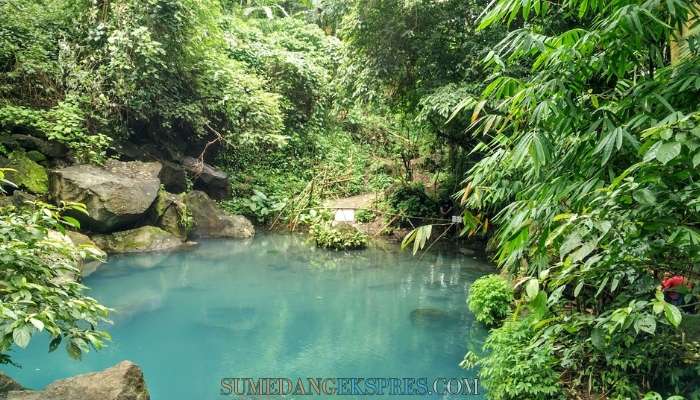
(515, 369)
(420, 57)
(411, 200)
(590, 167)
(86, 72)
(38, 282)
(489, 299)
(365, 216)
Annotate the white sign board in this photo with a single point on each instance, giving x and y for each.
(456, 218)
(345, 215)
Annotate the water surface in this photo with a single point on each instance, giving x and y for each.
(274, 306)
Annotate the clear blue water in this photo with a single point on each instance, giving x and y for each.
(274, 306)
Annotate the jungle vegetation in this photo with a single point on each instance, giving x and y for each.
(568, 131)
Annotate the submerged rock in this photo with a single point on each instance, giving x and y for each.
(466, 252)
(233, 318)
(124, 381)
(428, 317)
(210, 222)
(139, 240)
(208, 179)
(114, 196)
(27, 175)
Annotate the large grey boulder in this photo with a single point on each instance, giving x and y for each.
(139, 240)
(115, 195)
(7, 384)
(208, 179)
(210, 222)
(124, 381)
(172, 176)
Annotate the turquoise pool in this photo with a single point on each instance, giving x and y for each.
(275, 307)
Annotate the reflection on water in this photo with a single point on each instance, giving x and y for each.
(274, 306)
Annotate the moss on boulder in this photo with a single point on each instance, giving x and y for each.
(36, 156)
(27, 175)
(139, 240)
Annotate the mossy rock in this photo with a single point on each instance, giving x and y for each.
(169, 212)
(36, 156)
(139, 240)
(27, 175)
(209, 221)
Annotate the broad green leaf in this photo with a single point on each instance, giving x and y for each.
(260, 194)
(659, 296)
(532, 288)
(572, 241)
(72, 221)
(668, 151)
(538, 305)
(74, 350)
(645, 196)
(598, 339)
(673, 314)
(646, 324)
(21, 336)
(38, 324)
(584, 251)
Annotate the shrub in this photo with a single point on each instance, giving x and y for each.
(489, 298)
(40, 291)
(517, 369)
(342, 236)
(412, 201)
(365, 216)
